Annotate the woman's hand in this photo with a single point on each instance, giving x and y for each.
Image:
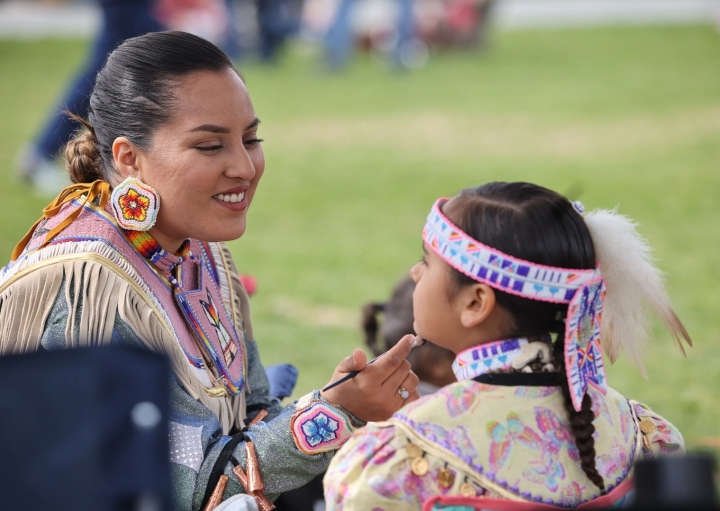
(377, 391)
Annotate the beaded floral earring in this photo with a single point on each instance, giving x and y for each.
(135, 205)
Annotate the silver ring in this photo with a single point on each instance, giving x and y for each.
(403, 393)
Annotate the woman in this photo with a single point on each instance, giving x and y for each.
(172, 133)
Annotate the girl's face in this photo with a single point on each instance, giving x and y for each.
(436, 314)
(205, 162)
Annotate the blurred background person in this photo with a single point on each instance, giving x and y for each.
(37, 161)
(465, 24)
(121, 19)
(406, 31)
(210, 19)
(339, 41)
(432, 364)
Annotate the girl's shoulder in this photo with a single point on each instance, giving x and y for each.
(469, 397)
(504, 442)
(659, 436)
(518, 440)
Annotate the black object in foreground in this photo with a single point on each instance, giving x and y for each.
(353, 374)
(676, 483)
(84, 430)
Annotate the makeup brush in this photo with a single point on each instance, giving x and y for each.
(353, 374)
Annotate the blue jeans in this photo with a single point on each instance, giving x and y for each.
(277, 21)
(122, 19)
(338, 41)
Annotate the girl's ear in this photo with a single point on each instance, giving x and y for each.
(477, 305)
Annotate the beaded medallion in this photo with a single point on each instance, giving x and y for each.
(320, 428)
(205, 312)
(135, 204)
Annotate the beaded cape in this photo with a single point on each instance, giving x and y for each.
(105, 275)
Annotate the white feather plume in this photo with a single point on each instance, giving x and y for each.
(635, 287)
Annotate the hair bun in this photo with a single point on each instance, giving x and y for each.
(82, 157)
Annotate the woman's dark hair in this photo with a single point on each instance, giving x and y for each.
(538, 225)
(134, 95)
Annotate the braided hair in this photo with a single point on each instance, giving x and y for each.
(538, 225)
(581, 423)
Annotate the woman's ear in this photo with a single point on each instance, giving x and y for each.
(125, 155)
(478, 303)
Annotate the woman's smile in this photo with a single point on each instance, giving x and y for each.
(233, 199)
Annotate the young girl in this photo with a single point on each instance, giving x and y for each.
(525, 290)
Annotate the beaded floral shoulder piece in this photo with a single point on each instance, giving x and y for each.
(318, 426)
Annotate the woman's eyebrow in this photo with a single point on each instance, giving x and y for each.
(212, 128)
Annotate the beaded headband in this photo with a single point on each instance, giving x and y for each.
(583, 290)
(497, 269)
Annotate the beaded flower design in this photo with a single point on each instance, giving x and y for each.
(320, 428)
(135, 205)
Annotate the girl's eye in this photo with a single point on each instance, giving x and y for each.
(253, 142)
(209, 148)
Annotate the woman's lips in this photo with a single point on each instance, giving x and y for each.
(230, 197)
(232, 201)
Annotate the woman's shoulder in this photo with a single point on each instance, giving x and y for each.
(59, 288)
(52, 263)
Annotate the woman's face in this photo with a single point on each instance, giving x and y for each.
(205, 162)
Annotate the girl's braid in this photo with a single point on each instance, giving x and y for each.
(581, 422)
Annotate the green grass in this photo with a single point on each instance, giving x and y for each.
(626, 117)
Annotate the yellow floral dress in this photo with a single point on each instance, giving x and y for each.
(513, 443)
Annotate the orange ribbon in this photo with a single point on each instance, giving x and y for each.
(97, 189)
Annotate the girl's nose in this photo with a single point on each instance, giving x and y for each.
(415, 272)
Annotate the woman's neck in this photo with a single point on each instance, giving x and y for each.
(169, 244)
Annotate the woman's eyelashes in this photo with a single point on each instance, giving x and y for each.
(248, 143)
(209, 148)
(253, 142)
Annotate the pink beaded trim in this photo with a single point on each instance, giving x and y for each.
(320, 428)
